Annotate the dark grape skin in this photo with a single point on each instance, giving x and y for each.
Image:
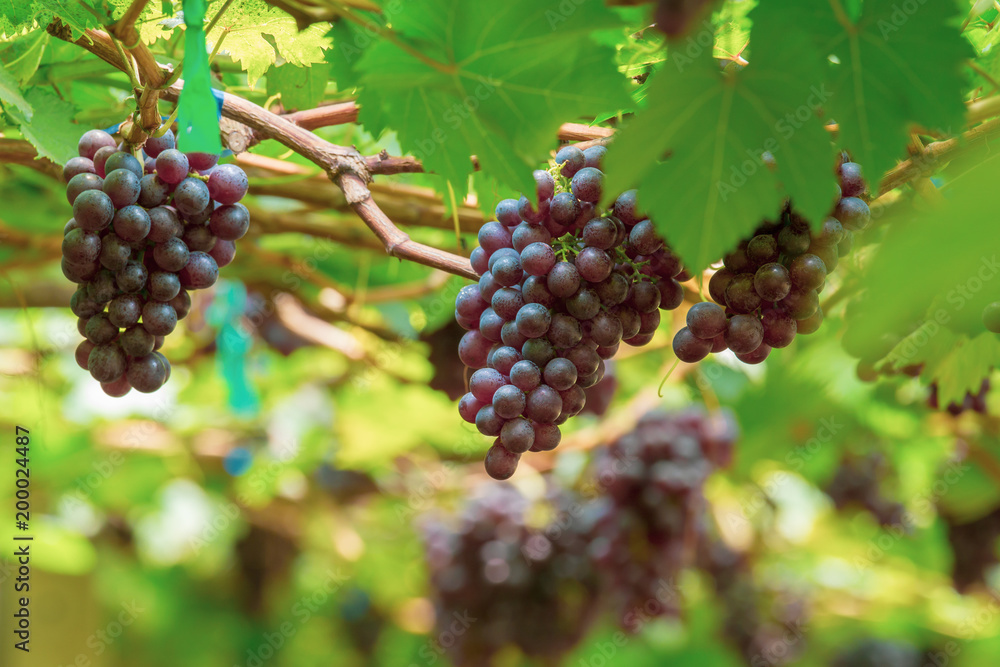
(762, 249)
(772, 282)
(172, 166)
(543, 405)
(600, 233)
(92, 141)
(525, 375)
(706, 320)
(106, 363)
(122, 186)
(853, 213)
(101, 159)
(800, 305)
(587, 184)
(718, 283)
(501, 463)
(159, 319)
(131, 223)
(744, 334)
(509, 402)
(82, 354)
(584, 305)
(547, 437)
(490, 325)
(792, 241)
(125, 310)
(671, 294)
(227, 184)
(643, 238)
(594, 156)
(507, 271)
(171, 255)
(572, 160)
(852, 182)
(564, 208)
(77, 165)
(132, 277)
(117, 388)
(202, 161)
(563, 280)
(757, 356)
(560, 374)
(191, 196)
(81, 247)
(153, 192)
(741, 295)
(487, 421)
(79, 273)
(93, 210)
(198, 238)
(615, 289)
(807, 272)
(539, 351)
(473, 349)
(626, 208)
(506, 213)
(157, 144)
(100, 330)
(81, 183)
(163, 285)
(517, 435)
(534, 291)
(779, 328)
(146, 374)
(82, 305)
(538, 259)
(533, 320)
(484, 383)
(594, 264)
(644, 296)
(164, 224)
(103, 288)
(689, 348)
(565, 331)
(810, 324)
(136, 342)
(493, 236)
(468, 407)
(525, 235)
(830, 234)
(584, 358)
(223, 252)
(507, 301)
(122, 160)
(230, 223)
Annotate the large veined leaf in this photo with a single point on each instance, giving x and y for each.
(695, 151)
(246, 22)
(497, 81)
(50, 128)
(300, 87)
(10, 93)
(898, 64)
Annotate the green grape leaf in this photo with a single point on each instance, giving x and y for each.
(10, 93)
(79, 15)
(245, 25)
(22, 56)
(714, 189)
(965, 367)
(898, 65)
(300, 87)
(958, 264)
(499, 83)
(15, 15)
(49, 129)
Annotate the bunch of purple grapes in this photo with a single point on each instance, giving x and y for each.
(561, 287)
(498, 581)
(971, 402)
(768, 289)
(143, 234)
(652, 481)
(974, 549)
(858, 481)
(765, 626)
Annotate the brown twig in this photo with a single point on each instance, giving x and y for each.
(18, 151)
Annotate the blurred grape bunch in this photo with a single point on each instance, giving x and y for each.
(974, 549)
(858, 481)
(449, 371)
(527, 586)
(767, 628)
(873, 652)
(648, 521)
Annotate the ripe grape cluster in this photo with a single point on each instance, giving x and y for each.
(561, 287)
(974, 547)
(768, 289)
(144, 233)
(652, 480)
(499, 580)
(766, 626)
(858, 482)
(536, 576)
